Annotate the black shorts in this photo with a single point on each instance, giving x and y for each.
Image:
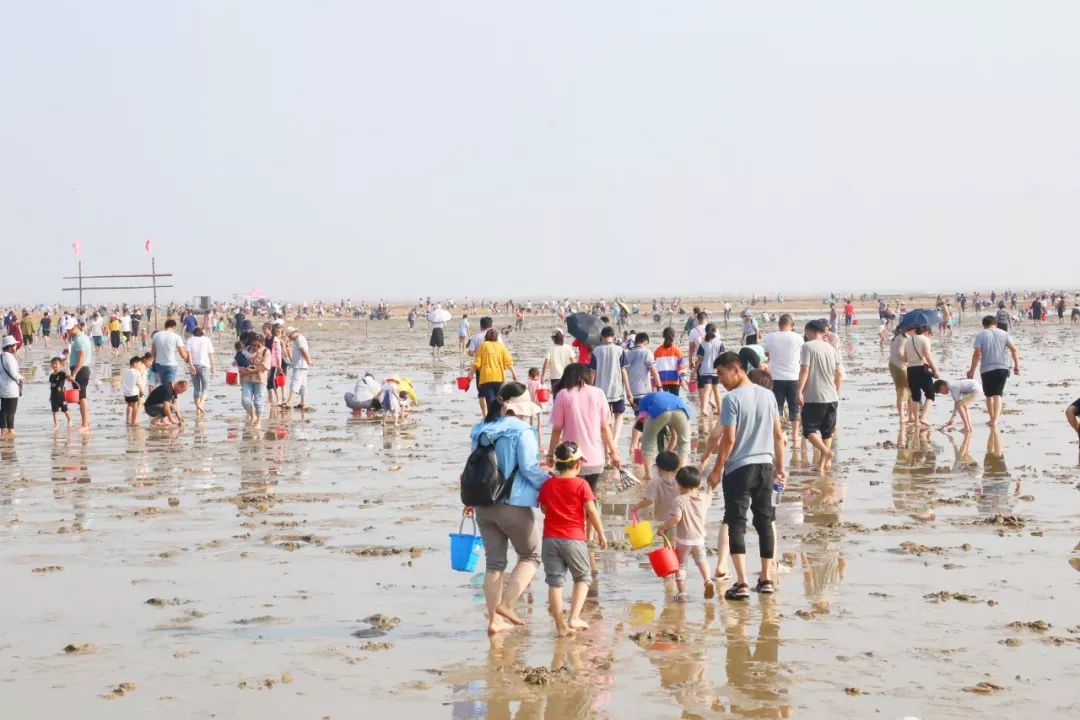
(921, 382)
(1003, 326)
(114, 338)
(83, 379)
(618, 407)
(787, 393)
(673, 389)
(131, 399)
(488, 391)
(993, 382)
(436, 338)
(57, 404)
(556, 386)
(155, 411)
(704, 381)
(751, 339)
(819, 418)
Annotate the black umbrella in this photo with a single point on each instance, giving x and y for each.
(585, 327)
(918, 318)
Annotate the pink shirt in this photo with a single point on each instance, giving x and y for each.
(532, 386)
(581, 412)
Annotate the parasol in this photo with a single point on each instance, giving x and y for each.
(439, 315)
(918, 318)
(585, 327)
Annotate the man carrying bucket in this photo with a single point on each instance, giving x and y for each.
(749, 463)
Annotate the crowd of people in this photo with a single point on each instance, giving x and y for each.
(774, 379)
(778, 390)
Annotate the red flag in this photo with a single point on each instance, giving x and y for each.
(77, 247)
(149, 247)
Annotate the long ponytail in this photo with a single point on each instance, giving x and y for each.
(710, 332)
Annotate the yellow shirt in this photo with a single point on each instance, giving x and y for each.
(405, 385)
(114, 325)
(492, 359)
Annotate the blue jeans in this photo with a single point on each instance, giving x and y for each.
(166, 374)
(253, 397)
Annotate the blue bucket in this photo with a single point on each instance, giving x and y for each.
(465, 549)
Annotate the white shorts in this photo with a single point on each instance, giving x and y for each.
(298, 381)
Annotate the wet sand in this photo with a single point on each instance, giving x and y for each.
(215, 571)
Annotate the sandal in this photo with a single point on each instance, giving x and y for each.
(681, 597)
(765, 587)
(710, 590)
(738, 591)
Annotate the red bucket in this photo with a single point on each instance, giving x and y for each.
(232, 378)
(71, 396)
(692, 386)
(279, 380)
(543, 395)
(463, 382)
(639, 459)
(855, 321)
(664, 561)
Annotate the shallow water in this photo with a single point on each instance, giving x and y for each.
(266, 568)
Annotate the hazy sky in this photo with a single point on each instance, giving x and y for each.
(326, 148)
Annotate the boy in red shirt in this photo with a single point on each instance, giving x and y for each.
(568, 502)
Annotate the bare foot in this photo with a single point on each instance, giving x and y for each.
(563, 631)
(497, 625)
(509, 614)
(578, 624)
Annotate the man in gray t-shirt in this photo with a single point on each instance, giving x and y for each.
(641, 368)
(820, 373)
(608, 363)
(749, 444)
(992, 346)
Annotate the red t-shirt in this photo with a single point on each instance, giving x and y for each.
(563, 500)
(584, 352)
(849, 309)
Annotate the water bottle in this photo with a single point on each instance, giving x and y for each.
(776, 488)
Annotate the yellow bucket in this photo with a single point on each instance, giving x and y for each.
(640, 533)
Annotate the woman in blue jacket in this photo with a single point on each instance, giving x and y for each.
(512, 521)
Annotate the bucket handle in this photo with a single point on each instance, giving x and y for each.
(461, 525)
(666, 542)
(74, 383)
(634, 516)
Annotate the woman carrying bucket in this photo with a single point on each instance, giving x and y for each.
(512, 521)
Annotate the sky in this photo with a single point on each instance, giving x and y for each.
(330, 149)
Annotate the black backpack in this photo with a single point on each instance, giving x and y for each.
(483, 483)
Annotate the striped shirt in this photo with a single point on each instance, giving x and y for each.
(669, 364)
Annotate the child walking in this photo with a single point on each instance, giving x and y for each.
(662, 490)
(131, 382)
(568, 503)
(57, 380)
(687, 516)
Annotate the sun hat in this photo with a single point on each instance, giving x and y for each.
(8, 341)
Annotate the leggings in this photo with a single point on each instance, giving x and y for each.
(7, 413)
(750, 487)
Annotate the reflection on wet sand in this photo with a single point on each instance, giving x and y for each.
(756, 685)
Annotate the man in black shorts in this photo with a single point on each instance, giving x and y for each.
(820, 374)
(992, 347)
